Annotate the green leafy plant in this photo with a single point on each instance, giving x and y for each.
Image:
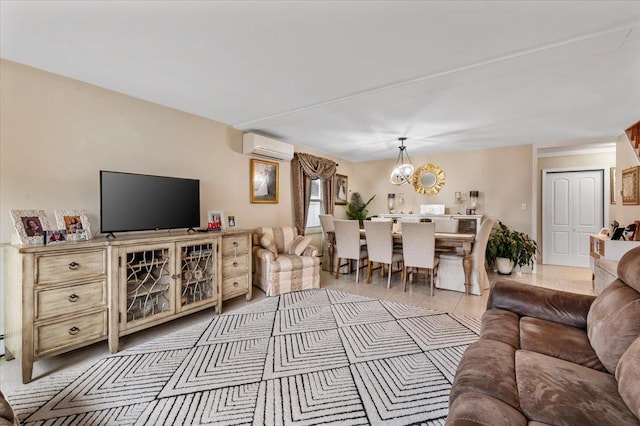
(510, 244)
(357, 208)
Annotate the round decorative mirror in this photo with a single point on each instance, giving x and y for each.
(428, 179)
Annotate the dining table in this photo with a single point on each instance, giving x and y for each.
(444, 241)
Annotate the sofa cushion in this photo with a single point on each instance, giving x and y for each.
(477, 409)
(299, 245)
(559, 341)
(629, 268)
(613, 322)
(560, 392)
(290, 262)
(487, 367)
(628, 376)
(501, 325)
(266, 241)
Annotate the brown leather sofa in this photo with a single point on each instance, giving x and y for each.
(556, 358)
(7, 418)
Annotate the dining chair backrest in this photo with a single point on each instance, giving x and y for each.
(326, 221)
(347, 238)
(480, 245)
(379, 241)
(419, 244)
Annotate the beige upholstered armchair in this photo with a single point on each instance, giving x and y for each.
(284, 261)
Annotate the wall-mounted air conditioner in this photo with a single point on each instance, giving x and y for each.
(262, 146)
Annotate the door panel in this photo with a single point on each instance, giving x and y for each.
(572, 210)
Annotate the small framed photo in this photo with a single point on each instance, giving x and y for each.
(30, 225)
(55, 236)
(264, 182)
(341, 189)
(75, 222)
(631, 186)
(215, 220)
(232, 221)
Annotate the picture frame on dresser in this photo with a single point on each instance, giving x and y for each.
(30, 225)
(215, 220)
(75, 222)
(55, 236)
(631, 186)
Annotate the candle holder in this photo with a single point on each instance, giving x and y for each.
(391, 202)
(473, 199)
(459, 201)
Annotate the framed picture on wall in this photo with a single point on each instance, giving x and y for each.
(264, 181)
(342, 189)
(631, 186)
(612, 185)
(30, 225)
(75, 222)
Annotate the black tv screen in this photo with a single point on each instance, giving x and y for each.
(135, 202)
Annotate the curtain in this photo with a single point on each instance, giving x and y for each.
(305, 168)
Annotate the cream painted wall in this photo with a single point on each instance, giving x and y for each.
(625, 158)
(57, 133)
(501, 175)
(606, 160)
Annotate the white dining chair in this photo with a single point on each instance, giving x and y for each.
(380, 247)
(348, 244)
(451, 272)
(419, 249)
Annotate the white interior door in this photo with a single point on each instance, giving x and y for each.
(573, 208)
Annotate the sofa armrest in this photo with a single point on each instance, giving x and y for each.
(310, 251)
(264, 254)
(551, 305)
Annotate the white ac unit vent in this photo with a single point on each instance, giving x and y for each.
(262, 146)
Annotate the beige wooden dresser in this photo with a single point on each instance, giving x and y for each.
(62, 297)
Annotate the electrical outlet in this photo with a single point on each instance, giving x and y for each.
(524, 206)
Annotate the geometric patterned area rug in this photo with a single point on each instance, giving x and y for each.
(304, 358)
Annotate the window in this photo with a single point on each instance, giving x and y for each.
(315, 205)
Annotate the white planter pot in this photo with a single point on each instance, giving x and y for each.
(505, 266)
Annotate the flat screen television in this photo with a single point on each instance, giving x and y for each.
(136, 202)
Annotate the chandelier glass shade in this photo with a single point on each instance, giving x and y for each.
(403, 171)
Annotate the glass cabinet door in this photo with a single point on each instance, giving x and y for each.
(196, 264)
(149, 278)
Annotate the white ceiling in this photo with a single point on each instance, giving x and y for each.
(349, 78)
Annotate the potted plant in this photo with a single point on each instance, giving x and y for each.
(508, 248)
(357, 209)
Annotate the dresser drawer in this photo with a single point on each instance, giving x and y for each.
(70, 266)
(240, 243)
(60, 335)
(233, 265)
(235, 286)
(66, 300)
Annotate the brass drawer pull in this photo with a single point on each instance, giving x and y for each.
(74, 330)
(235, 264)
(235, 283)
(235, 244)
(74, 298)
(74, 265)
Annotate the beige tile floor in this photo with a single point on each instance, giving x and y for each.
(577, 280)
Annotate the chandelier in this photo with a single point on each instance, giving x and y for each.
(402, 172)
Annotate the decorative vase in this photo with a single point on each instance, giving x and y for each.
(505, 266)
